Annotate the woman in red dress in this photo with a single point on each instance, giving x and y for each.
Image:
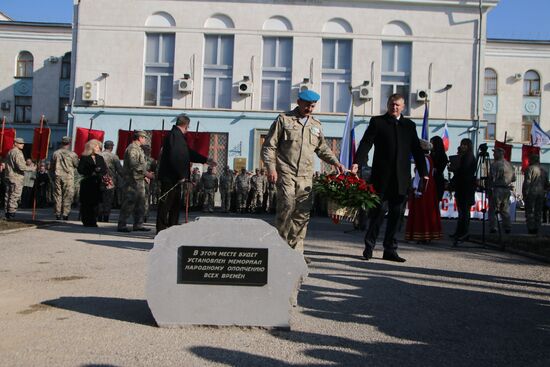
(424, 220)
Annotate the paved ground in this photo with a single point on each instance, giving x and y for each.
(71, 296)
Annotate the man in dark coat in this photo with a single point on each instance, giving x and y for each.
(175, 166)
(394, 138)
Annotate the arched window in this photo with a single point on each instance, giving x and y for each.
(490, 82)
(25, 62)
(531, 83)
(66, 66)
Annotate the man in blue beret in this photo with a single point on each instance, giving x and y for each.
(288, 152)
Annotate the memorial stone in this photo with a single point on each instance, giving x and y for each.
(223, 271)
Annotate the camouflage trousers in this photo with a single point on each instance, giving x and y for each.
(107, 199)
(499, 201)
(147, 200)
(257, 201)
(63, 195)
(208, 203)
(533, 211)
(294, 200)
(242, 196)
(133, 204)
(13, 195)
(226, 200)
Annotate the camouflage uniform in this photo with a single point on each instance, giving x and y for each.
(151, 167)
(209, 185)
(242, 184)
(114, 170)
(194, 193)
(227, 180)
(288, 149)
(13, 178)
(258, 184)
(501, 177)
(134, 169)
(63, 166)
(534, 186)
(271, 193)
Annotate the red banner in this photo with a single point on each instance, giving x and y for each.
(40, 143)
(124, 139)
(199, 142)
(526, 152)
(507, 149)
(6, 141)
(84, 135)
(157, 139)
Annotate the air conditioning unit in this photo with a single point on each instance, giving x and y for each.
(185, 85)
(90, 91)
(305, 85)
(53, 59)
(5, 106)
(518, 76)
(535, 93)
(423, 95)
(365, 90)
(245, 87)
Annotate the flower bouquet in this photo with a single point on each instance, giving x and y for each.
(346, 194)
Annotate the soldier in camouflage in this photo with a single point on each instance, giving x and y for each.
(135, 172)
(209, 185)
(114, 170)
(151, 167)
(501, 176)
(14, 173)
(242, 185)
(258, 186)
(227, 180)
(271, 194)
(194, 190)
(63, 166)
(535, 184)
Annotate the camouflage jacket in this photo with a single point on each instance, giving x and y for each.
(64, 163)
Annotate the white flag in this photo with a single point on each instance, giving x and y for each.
(538, 136)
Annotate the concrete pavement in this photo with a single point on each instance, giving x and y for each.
(74, 296)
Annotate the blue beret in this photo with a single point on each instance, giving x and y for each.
(309, 96)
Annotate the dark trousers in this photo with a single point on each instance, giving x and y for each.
(88, 214)
(463, 224)
(393, 203)
(169, 206)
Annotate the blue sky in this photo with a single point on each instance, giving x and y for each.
(518, 19)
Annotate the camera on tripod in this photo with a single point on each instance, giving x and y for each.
(482, 150)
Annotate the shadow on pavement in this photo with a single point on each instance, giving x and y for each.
(129, 310)
(128, 245)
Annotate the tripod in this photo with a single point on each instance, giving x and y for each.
(483, 165)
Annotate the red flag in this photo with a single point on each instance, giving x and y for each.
(526, 152)
(157, 139)
(507, 149)
(124, 139)
(199, 142)
(40, 143)
(84, 135)
(6, 141)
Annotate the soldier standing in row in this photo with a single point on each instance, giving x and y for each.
(270, 205)
(63, 166)
(14, 173)
(151, 167)
(242, 184)
(227, 180)
(194, 192)
(209, 185)
(135, 172)
(534, 187)
(258, 185)
(501, 177)
(114, 170)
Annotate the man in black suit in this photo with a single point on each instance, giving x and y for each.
(394, 138)
(174, 169)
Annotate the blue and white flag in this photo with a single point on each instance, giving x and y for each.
(347, 150)
(538, 136)
(425, 124)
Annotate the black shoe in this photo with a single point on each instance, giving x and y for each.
(10, 216)
(142, 229)
(367, 253)
(392, 256)
(124, 229)
(58, 217)
(65, 217)
(463, 238)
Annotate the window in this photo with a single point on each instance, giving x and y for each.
(531, 84)
(396, 72)
(63, 115)
(66, 66)
(276, 73)
(490, 82)
(25, 62)
(23, 109)
(159, 69)
(490, 132)
(336, 76)
(526, 126)
(218, 71)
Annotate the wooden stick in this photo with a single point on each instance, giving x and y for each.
(37, 164)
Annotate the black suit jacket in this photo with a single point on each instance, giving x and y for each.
(176, 157)
(394, 141)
